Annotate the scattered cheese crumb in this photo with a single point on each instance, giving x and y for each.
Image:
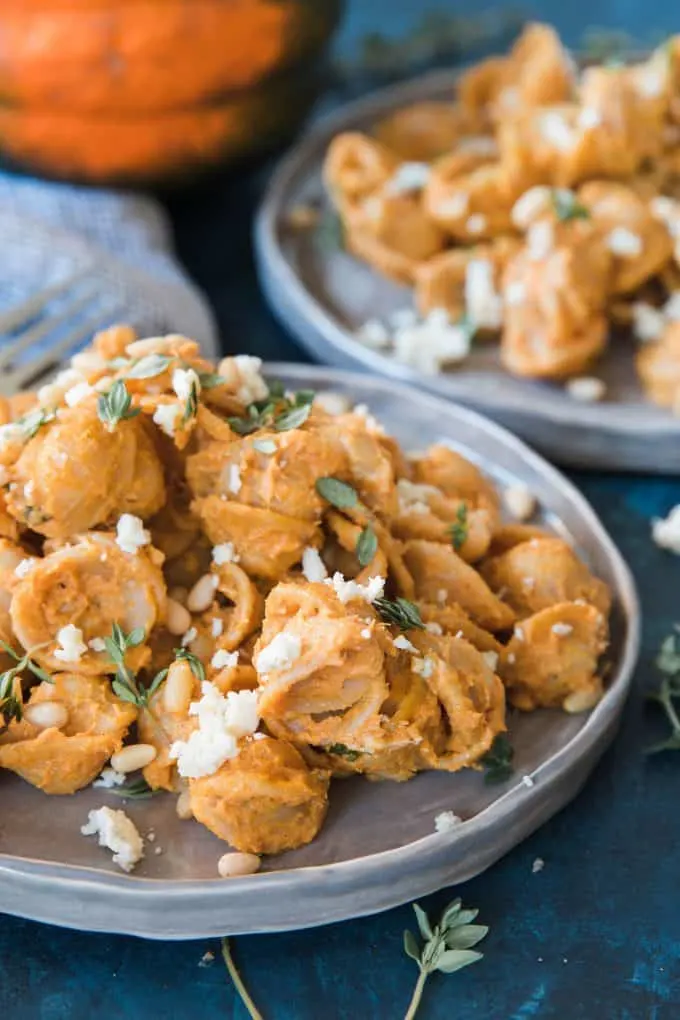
(589, 117)
(366, 633)
(483, 304)
(408, 177)
(224, 660)
(455, 205)
(434, 628)
(131, 534)
(432, 343)
(491, 659)
(515, 293)
(222, 721)
(562, 629)
(97, 644)
(537, 866)
(666, 531)
(556, 130)
(527, 781)
(623, 242)
(109, 778)
(445, 821)
(519, 502)
(252, 386)
(313, 567)
(404, 644)
(587, 389)
(166, 416)
(414, 497)
(77, 393)
(531, 204)
(476, 223)
(373, 334)
(24, 568)
(280, 653)
(423, 667)
(512, 658)
(117, 832)
(190, 636)
(332, 403)
(70, 644)
(348, 590)
(224, 553)
(234, 482)
(185, 382)
(519, 633)
(216, 627)
(540, 240)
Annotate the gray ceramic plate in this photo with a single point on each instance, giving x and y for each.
(322, 294)
(378, 847)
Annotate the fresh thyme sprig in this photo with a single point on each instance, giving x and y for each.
(138, 789)
(116, 405)
(195, 664)
(367, 546)
(401, 613)
(460, 528)
(567, 206)
(277, 411)
(497, 761)
(125, 684)
(243, 993)
(32, 422)
(447, 947)
(668, 663)
(11, 706)
(191, 404)
(149, 366)
(338, 494)
(342, 751)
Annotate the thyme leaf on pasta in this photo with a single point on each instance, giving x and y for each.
(32, 422)
(401, 613)
(447, 946)
(191, 404)
(459, 529)
(149, 366)
(338, 494)
(497, 761)
(367, 546)
(342, 751)
(567, 206)
(11, 705)
(124, 683)
(209, 380)
(278, 410)
(116, 405)
(194, 663)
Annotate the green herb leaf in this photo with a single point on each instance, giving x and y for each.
(668, 663)
(191, 406)
(124, 684)
(149, 366)
(411, 947)
(423, 923)
(209, 380)
(195, 664)
(401, 613)
(31, 423)
(116, 405)
(338, 494)
(497, 761)
(342, 751)
(278, 411)
(138, 789)
(459, 530)
(367, 546)
(330, 232)
(292, 419)
(567, 206)
(455, 959)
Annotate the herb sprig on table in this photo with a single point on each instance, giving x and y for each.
(668, 663)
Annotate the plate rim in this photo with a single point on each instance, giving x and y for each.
(300, 310)
(153, 903)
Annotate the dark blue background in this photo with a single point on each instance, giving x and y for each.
(594, 936)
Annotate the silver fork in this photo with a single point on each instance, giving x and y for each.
(38, 333)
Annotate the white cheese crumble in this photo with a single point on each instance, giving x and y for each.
(587, 389)
(401, 317)
(515, 292)
(77, 393)
(117, 832)
(313, 567)
(222, 721)
(434, 628)
(97, 644)
(24, 568)
(372, 424)
(537, 866)
(131, 535)
(556, 130)
(408, 177)
(648, 322)
(332, 403)
(216, 627)
(166, 416)
(476, 223)
(224, 553)
(224, 660)
(190, 636)
(404, 644)
(589, 117)
(252, 386)
(540, 240)
(348, 590)
(531, 204)
(562, 629)
(432, 343)
(185, 382)
(280, 653)
(70, 644)
(479, 145)
(234, 482)
(624, 243)
(527, 781)
(423, 667)
(666, 531)
(366, 633)
(483, 304)
(373, 334)
(415, 496)
(109, 779)
(491, 659)
(445, 821)
(671, 309)
(519, 502)
(455, 205)
(11, 433)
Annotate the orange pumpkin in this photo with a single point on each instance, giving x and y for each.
(140, 90)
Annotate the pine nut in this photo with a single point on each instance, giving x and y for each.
(236, 865)
(183, 805)
(179, 594)
(202, 594)
(46, 714)
(179, 688)
(177, 618)
(581, 701)
(133, 757)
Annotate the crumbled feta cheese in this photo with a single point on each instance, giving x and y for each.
(117, 832)
(25, 567)
(222, 721)
(408, 177)
(373, 334)
(224, 660)
(77, 393)
(476, 223)
(332, 403)
(671, 309)
(224, 553)
(648, 322)
(281, 652)
(414, 497)
(515, 293)
(483, 304)
(527, 781)
(562, 629)
(366, 633)
(519, 633)
(216, 627)
(432, 343)
(313, 567)
(11, 433)
(52, 392)
(537, 866)
(70, 645)
(97, 644)
(666, 531)
(589, 117)
(434, 628)
(131, 535)
(423, 667)
(185, 383)
(252, 386)
(401, 317)
(624, 243)
(456, 205)
(348, 590)
(190, 636)
(587, 389)
(519, 502)
(491, 659)
(234, 482)
(167, 416)
(650, 82)
(445, 821)
(109, 779)
(556, 130)
(540, 240)
(532, 203)
(404, 644)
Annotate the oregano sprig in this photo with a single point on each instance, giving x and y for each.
(367, 546)
(278, 410)
(460, 528)
(401, 613)
(125, 684)
(448, 946)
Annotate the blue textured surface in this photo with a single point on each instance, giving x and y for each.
(594, 936)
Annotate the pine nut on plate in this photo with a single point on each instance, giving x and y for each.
(133, 757)
(47, 714)
(238, 865)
